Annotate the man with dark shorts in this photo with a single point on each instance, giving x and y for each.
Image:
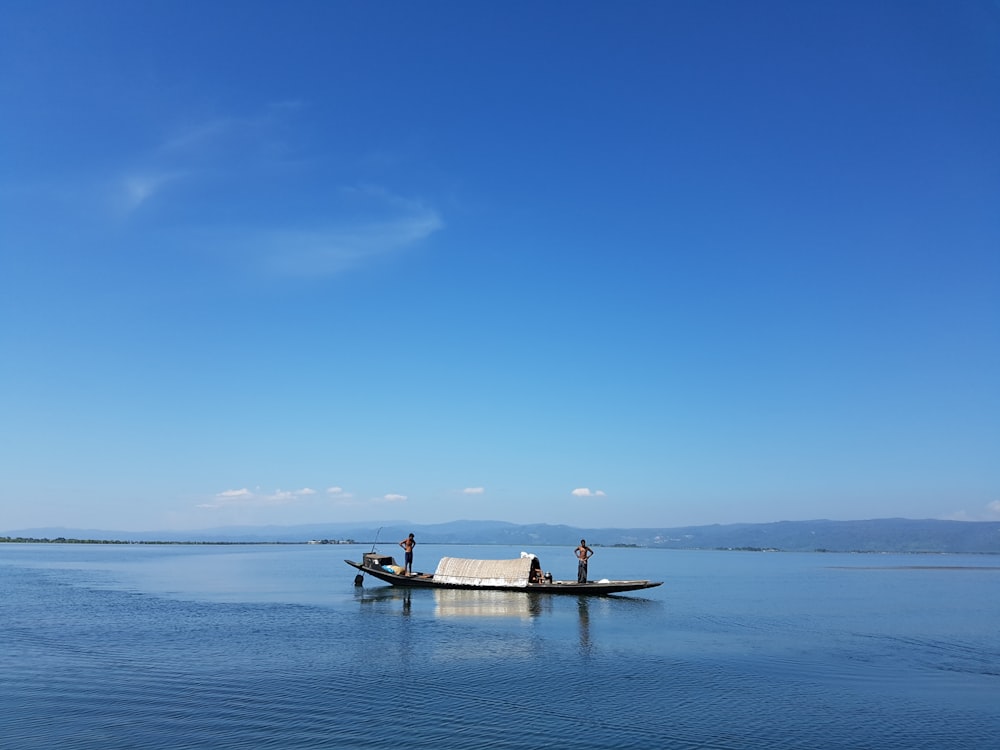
(583, 553)
(407, 545)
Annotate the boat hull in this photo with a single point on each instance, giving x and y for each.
(426, 581)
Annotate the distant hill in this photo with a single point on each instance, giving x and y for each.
(879, 535)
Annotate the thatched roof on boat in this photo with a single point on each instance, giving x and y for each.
(459, 571)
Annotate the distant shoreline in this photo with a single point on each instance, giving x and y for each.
(58, 540)
(195, 543)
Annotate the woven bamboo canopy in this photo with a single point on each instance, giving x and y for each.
(456, 570)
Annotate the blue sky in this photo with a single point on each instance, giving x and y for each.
(602, 264)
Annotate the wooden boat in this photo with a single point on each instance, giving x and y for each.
(520, 574)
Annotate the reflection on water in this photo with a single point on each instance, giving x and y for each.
(459, 602)
(464, 603)
(448, 603)
(505, 605)
(380, 594)
(455, 602)
(583, 609)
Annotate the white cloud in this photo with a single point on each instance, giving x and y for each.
(989, 512)
(473, 490)
(334, 490)
(235, 493)
(230, 499)
(393, 498)
(586, 492)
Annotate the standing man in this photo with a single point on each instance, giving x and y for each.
(583, 553)
(408, 544)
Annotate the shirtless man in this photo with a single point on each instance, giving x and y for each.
(407, 545)
(583, 553)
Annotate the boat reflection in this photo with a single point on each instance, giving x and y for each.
(385, 595)
(458, 603)
(381, 594)
(472, 604)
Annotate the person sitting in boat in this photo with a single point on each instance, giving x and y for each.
(538, 575)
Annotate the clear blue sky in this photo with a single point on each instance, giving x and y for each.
(603, 264)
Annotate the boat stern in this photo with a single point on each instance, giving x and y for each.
(380, 562)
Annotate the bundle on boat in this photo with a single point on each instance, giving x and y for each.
(458, 571)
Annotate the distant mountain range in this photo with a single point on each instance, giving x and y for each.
(879, 535)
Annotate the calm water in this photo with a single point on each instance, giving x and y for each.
(273, 646)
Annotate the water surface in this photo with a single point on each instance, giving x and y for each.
(273, 646)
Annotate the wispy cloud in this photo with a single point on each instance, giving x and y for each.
(136, 189)
(474, 491)
(262, 132)
(587, 492)
(191, 152)
(247, 161)
(245, 498)
(339, 496)
(255, 498)
(328, 251)
(203, 134)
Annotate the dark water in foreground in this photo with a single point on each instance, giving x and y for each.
(273, 647)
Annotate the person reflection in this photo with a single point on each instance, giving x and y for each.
(583, 609)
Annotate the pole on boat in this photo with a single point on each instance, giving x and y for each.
(359, 579)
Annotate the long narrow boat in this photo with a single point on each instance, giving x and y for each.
(520, 574)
